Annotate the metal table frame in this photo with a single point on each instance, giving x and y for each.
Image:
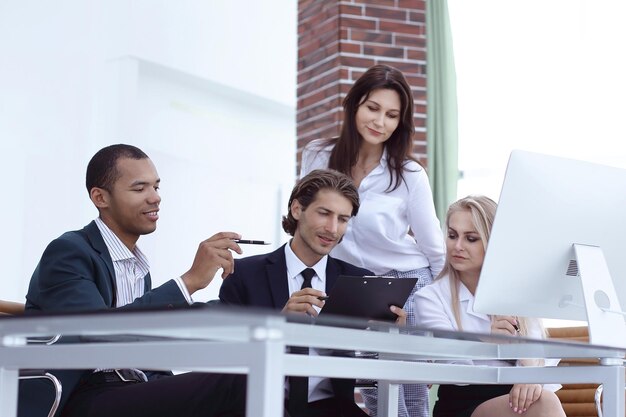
(215, 340)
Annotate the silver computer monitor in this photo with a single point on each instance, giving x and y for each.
(547, 205)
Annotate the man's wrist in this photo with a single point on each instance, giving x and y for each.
(184, 289)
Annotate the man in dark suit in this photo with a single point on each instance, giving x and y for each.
(100, 267)
(293, 278)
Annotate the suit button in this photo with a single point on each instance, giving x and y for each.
(170, 306)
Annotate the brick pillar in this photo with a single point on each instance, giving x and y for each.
(338, 41)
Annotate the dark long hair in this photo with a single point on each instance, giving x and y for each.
(399, 146)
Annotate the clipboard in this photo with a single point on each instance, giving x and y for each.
(368, 297)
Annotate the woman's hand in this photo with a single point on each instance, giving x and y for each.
(522, 396)
(506, 325)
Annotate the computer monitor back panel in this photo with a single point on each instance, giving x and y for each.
(546, 205)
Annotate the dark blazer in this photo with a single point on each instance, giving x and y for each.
(261, 281)
(76, 273)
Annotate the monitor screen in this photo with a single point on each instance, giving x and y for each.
(547, 204)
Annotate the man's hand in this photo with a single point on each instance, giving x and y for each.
(303, 301)
(522, 396)
(212, 254)
(401, 320)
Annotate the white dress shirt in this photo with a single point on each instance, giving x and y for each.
(377, 238)
(319, 388)
(433, 310)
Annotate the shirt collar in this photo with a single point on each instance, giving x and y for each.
(464, 293)
(295, 265)
(466, 296)
(116, 247)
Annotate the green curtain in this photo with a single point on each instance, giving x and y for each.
(441, 115)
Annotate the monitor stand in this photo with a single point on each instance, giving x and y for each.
(604, 313)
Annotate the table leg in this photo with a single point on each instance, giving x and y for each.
(388, 399)
(266, 381)
(8, 392)
(613, 401)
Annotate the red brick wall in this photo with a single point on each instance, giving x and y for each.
(338, 41)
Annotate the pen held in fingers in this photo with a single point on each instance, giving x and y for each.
(250, 242)
(516, 325)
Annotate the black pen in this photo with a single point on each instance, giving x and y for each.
(323, 297)
(251, 242)
(515, 326)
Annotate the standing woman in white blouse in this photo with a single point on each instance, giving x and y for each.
(448, 304)
(396, 232)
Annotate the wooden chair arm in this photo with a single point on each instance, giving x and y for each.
(10, 307)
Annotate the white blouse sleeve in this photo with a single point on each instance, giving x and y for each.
(314, 156)
(432, 314)
(423, 219)
(535, 331)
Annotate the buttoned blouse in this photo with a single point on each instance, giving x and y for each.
(377, 237)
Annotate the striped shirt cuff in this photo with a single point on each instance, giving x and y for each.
(183, 289)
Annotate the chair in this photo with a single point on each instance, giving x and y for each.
(12, 308)
(577, 399)
(581, 334)
(598, 400)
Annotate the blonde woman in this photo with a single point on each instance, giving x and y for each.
(447, 304)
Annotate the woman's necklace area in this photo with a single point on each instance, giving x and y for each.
(365, 169)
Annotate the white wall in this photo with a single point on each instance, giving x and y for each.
(206, 90)
(540, 75)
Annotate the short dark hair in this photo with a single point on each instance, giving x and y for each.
(102, 168)
(305, 191)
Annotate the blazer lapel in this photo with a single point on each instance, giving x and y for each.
(147, 283)
(97, 243)
(332, 272)
(276, 270)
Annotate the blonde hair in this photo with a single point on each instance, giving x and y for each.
(483, 211)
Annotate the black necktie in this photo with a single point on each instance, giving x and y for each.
(308, 275)
(299, 385)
